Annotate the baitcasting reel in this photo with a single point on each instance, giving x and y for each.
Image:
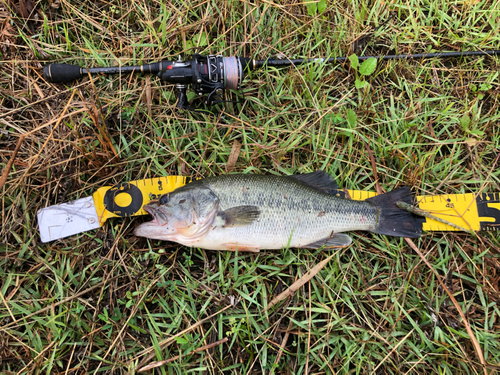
(208, 75)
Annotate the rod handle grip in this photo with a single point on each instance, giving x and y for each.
(62, 72)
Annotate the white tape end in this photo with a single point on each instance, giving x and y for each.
(67, 219)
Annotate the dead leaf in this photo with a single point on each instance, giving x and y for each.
(7, 32)
(149, 101)
(374, 168)
(5, 174)
(23, 8)
(472, 142)
(55, 4)
(26, 8)
(233, 157)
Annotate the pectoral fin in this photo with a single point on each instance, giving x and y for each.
(336, 240)
(240, 215)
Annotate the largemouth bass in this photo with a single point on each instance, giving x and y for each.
(253, 212)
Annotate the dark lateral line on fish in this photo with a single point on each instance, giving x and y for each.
(417, 211)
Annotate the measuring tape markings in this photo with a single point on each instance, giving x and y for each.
(488, 207)
(465, 210)
(459, 209)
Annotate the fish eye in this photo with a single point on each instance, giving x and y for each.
(164, 199)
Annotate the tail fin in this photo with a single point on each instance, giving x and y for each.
(394, 221)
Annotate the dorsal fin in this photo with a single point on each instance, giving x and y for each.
(319, 179)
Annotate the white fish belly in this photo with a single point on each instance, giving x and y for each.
(293, 230)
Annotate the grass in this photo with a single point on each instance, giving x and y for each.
(108, 302)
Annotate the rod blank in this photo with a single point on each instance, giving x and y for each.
(416, 56)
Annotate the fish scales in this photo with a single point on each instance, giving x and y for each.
(292, 213)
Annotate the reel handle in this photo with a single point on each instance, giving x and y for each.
(182, 102)
(181, 93)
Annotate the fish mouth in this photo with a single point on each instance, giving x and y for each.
(155, 228)
(150, 229)
(148, 209)
(151, 211)
(157, 215)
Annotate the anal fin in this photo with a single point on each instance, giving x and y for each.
(336, 240)
(233, 246)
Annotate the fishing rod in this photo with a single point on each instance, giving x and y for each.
(211, 75)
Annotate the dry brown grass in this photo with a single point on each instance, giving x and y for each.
(101, 301)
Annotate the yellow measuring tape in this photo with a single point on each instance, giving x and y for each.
(476, 212)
